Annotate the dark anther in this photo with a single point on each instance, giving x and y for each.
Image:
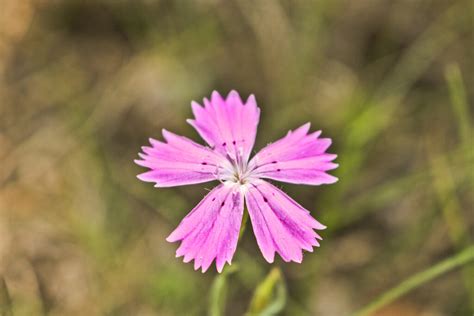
(203, 163)
(265, 199)
(278, 170)
(222, 204)
(274, 161)
(213, 199)
(224, 144)
(233, 142)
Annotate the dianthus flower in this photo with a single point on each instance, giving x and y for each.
(211, 230)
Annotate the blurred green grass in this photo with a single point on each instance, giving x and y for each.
(85, 83)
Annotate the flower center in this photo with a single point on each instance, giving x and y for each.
(235, 171)
(239, 177)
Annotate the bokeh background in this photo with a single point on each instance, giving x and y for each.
(83, 84)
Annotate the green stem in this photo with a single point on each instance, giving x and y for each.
(417, 280)
(219, 288)
(245, 218)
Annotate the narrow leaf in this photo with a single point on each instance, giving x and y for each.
(270, 296)
(464, 257)
(459, 100)
(219, 289)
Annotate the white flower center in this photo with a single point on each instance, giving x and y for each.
(235, 171)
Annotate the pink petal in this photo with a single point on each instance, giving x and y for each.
(179, 161)
(211, 230)
(280, 224)
(298, 157)
(229, 125)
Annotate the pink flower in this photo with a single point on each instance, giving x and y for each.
(211, 230)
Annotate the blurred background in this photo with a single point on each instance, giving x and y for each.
(83, 84)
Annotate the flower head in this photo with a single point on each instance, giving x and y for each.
(211, 230)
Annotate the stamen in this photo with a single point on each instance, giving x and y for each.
(235, 168)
